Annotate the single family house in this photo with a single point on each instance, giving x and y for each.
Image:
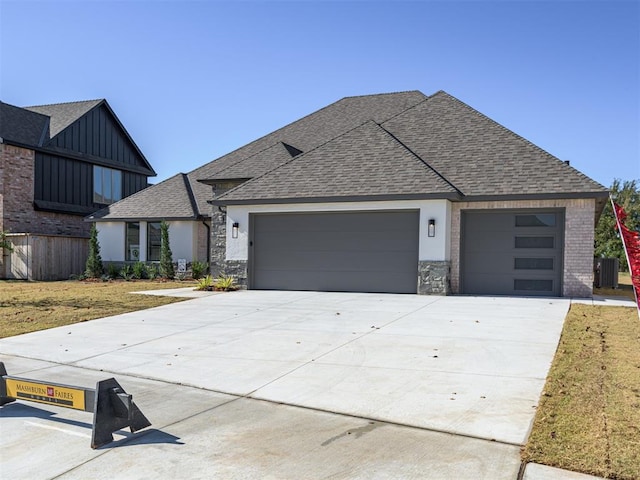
(59, 163)
(399, 192)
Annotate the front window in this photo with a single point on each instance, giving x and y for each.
(154, 241)
(107, 185)
(132, 241)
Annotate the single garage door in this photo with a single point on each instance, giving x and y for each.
(344, 252)
(512, 252)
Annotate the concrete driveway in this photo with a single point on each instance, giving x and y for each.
(267, 384)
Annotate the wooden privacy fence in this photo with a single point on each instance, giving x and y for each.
(44, 257)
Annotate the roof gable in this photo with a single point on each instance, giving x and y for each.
(479, 156)
(93, 129)
(320, 126)
(364, 162)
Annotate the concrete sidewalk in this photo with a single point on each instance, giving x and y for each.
(257, 384)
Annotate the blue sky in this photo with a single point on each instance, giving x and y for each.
(192, 80)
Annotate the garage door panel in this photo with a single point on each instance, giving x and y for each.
(338, 261)
(317, 281)
(346, 251)
(513, 262)
(345, 241)
(512, 252)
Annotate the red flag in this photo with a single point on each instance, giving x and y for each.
(631, 244)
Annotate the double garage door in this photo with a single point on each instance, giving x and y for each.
(512, 252)
(503, 252)
(345, 252)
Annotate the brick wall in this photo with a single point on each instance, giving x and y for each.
(16, 199)
(578, 240)
(202, 242)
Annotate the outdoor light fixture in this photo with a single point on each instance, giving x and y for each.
(431, 231)
(234, 230)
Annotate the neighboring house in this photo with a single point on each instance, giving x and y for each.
(59, 163)
(400, 192)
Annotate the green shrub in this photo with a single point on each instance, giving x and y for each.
(4, 242)
(139, 270)
(152, 271)
(198, 269)
(205, 283)
(226, 283)
(126, 272)
(93, 267)
(167, 269)
(113, 270)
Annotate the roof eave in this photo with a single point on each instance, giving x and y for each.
(535, 196)
(144, 219)
(337, 199)
(213, 181)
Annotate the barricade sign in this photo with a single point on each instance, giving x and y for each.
(112, 407)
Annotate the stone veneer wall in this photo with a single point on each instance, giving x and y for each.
(434, 277)
(579, 235)
(219, 265)
(17, 214)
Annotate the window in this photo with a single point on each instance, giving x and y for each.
(107, 185)
(132, 242)
(533, 263)
(154, 241)
(536, 220)
(534, 242)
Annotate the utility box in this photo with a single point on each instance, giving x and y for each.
(606, 272)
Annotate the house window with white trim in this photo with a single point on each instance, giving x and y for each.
(107, 185)
(132, 242)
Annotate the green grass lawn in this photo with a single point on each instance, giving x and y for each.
(588, 419)
(29, 306)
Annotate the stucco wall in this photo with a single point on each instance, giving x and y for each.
(578, 240)
(430, 248)
(183, 239)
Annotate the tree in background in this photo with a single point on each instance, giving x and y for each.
(94, 268)
(166, 257)
(608, 242)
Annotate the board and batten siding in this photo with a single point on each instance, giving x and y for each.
(64, 181)
(97, 134)
(44, 257)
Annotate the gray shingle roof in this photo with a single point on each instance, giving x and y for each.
(480, 156)
(64, 114)
(364, 162)
(306, 133)
(267, 152)
(375, 146)
(257, 164)
(170, 199)
(23, 126)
